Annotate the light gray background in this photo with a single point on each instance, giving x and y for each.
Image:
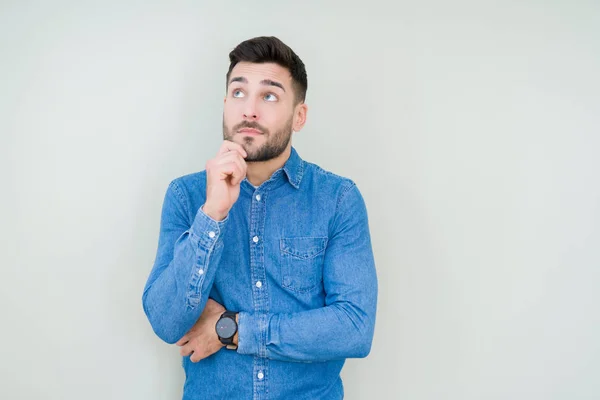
(472, 129)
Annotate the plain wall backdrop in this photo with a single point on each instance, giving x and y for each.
(472, 129)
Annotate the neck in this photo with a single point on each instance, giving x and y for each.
(260, 171)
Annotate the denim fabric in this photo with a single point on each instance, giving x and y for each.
(294, 257)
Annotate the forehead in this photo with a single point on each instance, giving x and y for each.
(256, 73)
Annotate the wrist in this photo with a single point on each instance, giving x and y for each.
(226, 329)
(213, 214)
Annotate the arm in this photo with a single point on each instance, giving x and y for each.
(184, 269)
(344, 327)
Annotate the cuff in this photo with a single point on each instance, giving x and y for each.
(206, 230)
(252, 334)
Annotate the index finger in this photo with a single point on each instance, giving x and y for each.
(231, 146)
(182, 341)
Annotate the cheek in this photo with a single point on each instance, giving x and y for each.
(229, 114)
(228, 108)
(270, 115)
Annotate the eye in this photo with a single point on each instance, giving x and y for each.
(237, 93)
(270, 97)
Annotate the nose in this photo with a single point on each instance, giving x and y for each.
(250, 112)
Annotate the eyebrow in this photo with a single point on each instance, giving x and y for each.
(266, 82)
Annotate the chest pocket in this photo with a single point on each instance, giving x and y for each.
(302, 262)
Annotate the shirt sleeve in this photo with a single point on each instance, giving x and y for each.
(184, 269)
(344, 327)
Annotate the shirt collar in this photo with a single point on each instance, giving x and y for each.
(294, 169)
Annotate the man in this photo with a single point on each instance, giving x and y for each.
(264, 274)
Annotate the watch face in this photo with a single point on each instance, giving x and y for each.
(226, 327)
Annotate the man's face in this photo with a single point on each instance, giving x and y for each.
(259, 111)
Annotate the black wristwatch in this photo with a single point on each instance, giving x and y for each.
(226, 329)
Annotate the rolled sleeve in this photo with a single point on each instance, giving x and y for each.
(252, 334)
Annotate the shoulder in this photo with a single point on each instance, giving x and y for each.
(190, 182)
(328, 182)
(188, 190)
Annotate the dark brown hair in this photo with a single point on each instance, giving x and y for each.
(269, 49)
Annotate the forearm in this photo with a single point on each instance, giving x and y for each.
(176, 293)
(341, 330)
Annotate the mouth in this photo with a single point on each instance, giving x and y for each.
(250, 131)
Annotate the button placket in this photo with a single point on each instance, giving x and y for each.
(260, 293)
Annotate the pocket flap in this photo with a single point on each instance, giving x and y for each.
(303, 247)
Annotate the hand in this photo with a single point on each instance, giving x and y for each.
(202, 341)
(224, 173)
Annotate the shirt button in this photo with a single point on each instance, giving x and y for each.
(255, 239)
(211, 234)
(257, 197)
(260, 375)
(200, 271)
(258, 284)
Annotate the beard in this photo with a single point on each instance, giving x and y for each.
(275, 143)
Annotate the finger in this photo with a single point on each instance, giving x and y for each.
(240, 172)
(241, 163)
(231, 146)
(182, 341)
(196, 356)
(227, 170)
(186, 350)
(229, 156)
(232, 170)
(236, 158)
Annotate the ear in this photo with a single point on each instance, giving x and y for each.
(299, 117)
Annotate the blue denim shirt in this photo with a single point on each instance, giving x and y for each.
(294, 257)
